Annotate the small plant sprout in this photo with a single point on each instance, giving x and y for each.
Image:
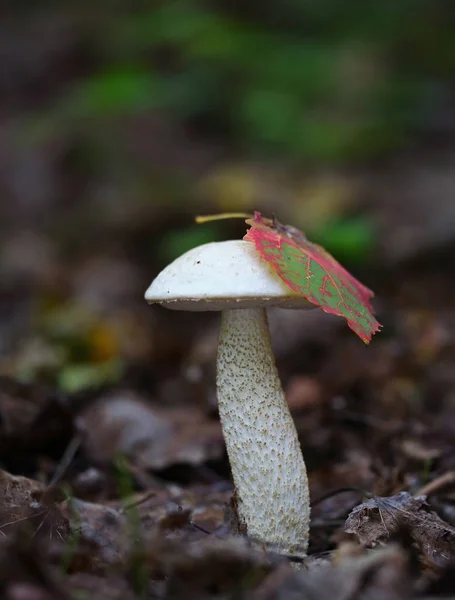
(267, 465)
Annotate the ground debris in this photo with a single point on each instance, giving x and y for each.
(208, 566)
(377, 575)
(153, 437)
(97, 530)
(378, 520)
(26, 506)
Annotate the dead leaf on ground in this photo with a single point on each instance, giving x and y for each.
(16, 490)
(24, 505)
(207, 506)
(152, 437)
(379, 519)
(99, 530)
(378, 575)
(208, 564)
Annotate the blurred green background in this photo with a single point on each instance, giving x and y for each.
(122, 121)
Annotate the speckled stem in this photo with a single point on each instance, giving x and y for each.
(266, 461)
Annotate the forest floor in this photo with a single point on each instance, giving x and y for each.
(120, 489)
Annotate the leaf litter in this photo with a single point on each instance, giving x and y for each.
(121, 488)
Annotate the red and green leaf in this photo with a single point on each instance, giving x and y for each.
(311, 271)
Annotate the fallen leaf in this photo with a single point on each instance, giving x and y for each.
(379, 519)
(25, 506)
(383, 574)
(308, 269)
(99, 530)
(209, 563)
(206, 504)
(17, 491)
(151, 436)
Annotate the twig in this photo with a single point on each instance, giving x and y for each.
(434, 486)
(66, 460)
(135, 503)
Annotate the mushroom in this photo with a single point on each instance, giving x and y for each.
(267, 465)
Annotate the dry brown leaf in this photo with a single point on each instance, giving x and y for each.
(152, 437)
(379, 575)
(25, 506)
(379, 519)
(100, 528)
(210, 563)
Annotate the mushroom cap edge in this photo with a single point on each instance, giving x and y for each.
(222, 276)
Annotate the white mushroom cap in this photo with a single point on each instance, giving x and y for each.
(222, 276)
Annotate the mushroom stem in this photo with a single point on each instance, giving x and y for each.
(264, 452)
